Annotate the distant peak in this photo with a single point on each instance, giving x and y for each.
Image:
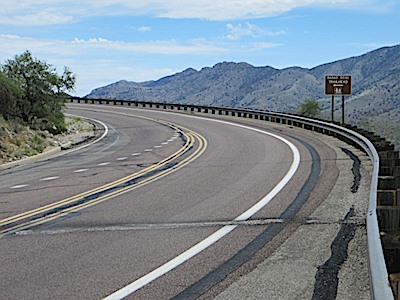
(232, 65)
(189, 70)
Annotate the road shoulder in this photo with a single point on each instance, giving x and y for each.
(319, 246)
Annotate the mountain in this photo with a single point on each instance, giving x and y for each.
(375, 87)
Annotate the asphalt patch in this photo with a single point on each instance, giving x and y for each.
(355, 169)
(326, 278)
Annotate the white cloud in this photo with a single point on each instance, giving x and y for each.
(144, 29)
(50, 12)
(35, 18)
(263, 45)
(99, 61)
(170, 47)
(249, 30)
(11, 44)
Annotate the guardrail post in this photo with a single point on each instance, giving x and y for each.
(395, 283)
(388, 210)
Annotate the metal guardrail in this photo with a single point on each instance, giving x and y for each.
(379, 280)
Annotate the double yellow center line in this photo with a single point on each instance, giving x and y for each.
(116, 188)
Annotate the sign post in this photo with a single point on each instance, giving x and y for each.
(338, 85)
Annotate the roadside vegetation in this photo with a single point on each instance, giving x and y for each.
(381, 126)
(310, 108)
(18, 141)
(32, 96)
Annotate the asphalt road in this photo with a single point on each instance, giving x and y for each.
(89, 223)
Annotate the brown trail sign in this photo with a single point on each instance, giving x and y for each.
(338, 85)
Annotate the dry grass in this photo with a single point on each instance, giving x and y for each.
(18, 141)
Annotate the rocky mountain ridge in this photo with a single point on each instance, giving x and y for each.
(375, 79)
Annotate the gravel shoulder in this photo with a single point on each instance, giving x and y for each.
(326, 258)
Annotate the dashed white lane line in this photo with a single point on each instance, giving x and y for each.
(176, 135)
(80, 170)
(49, 178)
(18, 186)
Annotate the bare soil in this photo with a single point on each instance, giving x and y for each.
(18, 142)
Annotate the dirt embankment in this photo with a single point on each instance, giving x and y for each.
(18, 141)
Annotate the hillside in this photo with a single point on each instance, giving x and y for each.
(374, 103)
(19, 141)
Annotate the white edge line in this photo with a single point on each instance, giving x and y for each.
(175, 262)
(172, 264)
(93, 142)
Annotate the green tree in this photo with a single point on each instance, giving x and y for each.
(310, 108)
(9, 95)
(43, 91)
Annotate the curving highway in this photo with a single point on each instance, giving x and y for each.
(165, 206)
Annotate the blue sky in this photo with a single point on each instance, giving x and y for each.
(103, 41)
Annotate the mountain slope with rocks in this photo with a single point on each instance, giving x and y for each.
(375, 99)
